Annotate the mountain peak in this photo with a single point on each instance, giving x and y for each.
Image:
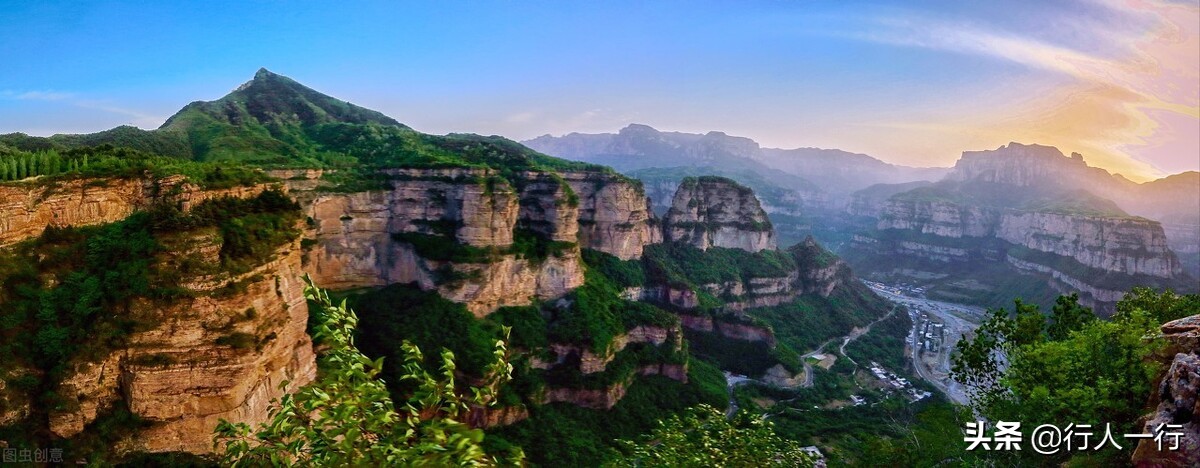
(638, 128)
(276, 101)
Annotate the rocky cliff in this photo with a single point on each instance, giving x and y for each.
(1175, 402)
(213, 356)
(221, 347)
(373, 238)
(717, 212)
(451, 230)
(27, 209)
(614, 214)
(940, 218)
(1129, 246)
(1034, 165)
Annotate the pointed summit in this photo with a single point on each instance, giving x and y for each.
(270, 116)
(271, 99)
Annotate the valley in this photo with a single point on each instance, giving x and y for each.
(937, 328)
(159, 284)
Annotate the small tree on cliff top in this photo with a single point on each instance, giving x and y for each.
(346, 417)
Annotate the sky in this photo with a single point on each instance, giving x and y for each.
(909, 82)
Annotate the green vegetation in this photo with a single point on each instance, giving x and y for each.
(622, 273)
(562, 434)
(348, 418)
(107, 161)
(682, 265)
(76, 294)
(810, 320)
(703, 436)
(885, 343)
(426, 320)
(596, 313)
(1068, 367)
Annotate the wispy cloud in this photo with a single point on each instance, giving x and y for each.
(1120, 76)
(138, 118)
(37, 95)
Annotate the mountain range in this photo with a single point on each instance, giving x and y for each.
(856, 204)
(152, 279)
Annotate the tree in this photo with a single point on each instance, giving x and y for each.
(346, 417)
(1165, 306)
(1069, 368)
(703, 436)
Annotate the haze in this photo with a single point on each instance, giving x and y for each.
(909, 83)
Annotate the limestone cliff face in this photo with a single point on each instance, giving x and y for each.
(1030, 165)
(217, 353)
(938, 218)
(355, 244)
(1131, 246)
(717, 212)
(1175, 401)
(212, 356)
(1099, 299)
(27, 209)
(614, 214)
(819, 271)
(1122, 245)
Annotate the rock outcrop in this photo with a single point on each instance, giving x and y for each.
(1033, 165)
(1175, 401)
(27, 209)
(717, 212)
(221, 351)
(467, 218)
(591, 362)
(614, 214)
(939, 218)
(1129, 246)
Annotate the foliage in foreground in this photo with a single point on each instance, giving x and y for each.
(347, 418)
(703, 436)
(1066, 368)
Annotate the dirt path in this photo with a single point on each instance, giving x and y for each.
(854, 334)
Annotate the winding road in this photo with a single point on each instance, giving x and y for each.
(854, 334)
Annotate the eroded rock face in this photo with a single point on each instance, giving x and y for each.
(1175, 401)
(614, 214)
(1130, 246)
(27, 209)
(213, 356)
(590, 362)
(717, 212)
(939, 218)
(818, 270)
(1133, 247)
(355, 242)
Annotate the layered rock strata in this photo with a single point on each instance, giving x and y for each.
(27, 209)
(717, 212)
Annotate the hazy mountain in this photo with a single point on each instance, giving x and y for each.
(841, 172)
(836, 173)
(1012, 220)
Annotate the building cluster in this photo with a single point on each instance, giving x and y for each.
(929, 336)
(895, 381)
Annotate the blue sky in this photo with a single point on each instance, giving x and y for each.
(909, 82)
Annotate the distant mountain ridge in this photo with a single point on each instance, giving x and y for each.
(640, 146)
